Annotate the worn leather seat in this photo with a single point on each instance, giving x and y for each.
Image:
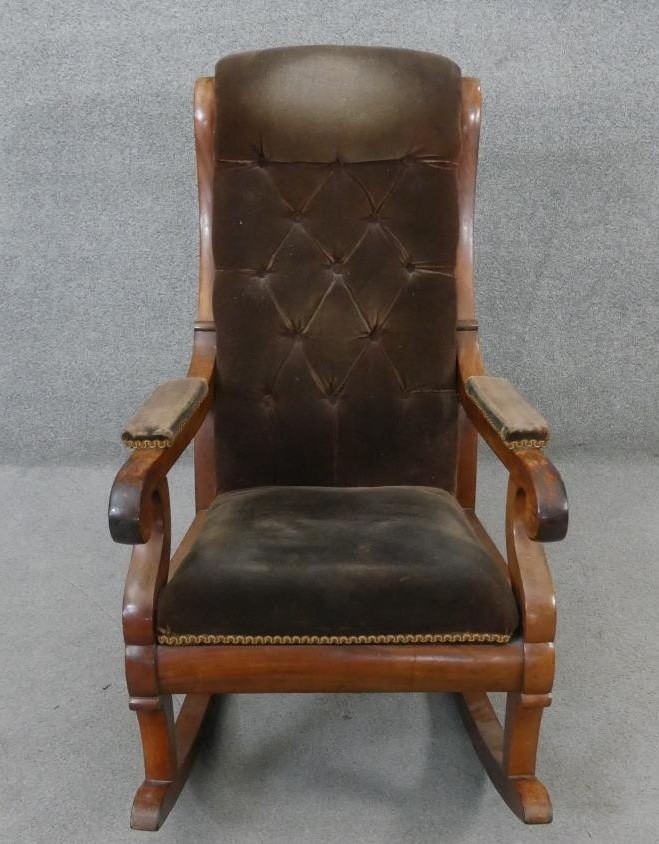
(329, 564)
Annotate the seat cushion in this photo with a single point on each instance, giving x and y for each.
(331, 565)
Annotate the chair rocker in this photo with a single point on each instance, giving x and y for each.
(335, 397)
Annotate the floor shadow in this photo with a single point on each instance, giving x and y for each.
(407, 755)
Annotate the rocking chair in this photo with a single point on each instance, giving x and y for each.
(335, 397)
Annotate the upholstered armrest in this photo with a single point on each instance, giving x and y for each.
(516, 433)
(158, 434)
(515, 421)
(164, 413)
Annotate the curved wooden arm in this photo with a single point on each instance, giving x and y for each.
(131, 511)
(148, 570)
(529, 572)
(545, 499)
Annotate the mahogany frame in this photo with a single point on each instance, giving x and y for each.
(536, 511)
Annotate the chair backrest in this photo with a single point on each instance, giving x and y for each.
(335, 241)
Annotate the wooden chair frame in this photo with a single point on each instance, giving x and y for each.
(536, 511)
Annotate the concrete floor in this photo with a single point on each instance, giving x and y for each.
(317, 768)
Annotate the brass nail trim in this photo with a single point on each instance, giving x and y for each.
(147, 443)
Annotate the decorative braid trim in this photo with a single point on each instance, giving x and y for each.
(147, 443)
(513, 444)
(383, 639)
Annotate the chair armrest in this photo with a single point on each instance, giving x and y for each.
(517, 423)
(164, 413)
(515, 432)
(131, 510)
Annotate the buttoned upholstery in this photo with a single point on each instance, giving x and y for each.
(335, 228)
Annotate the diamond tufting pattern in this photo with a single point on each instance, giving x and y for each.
(335, 312)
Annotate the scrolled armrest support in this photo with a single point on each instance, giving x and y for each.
(131, 511)
(545, 499)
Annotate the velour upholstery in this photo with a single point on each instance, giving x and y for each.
(356, 104)
(336, 565)
(335, 228)
(164, 413)
(511, 416)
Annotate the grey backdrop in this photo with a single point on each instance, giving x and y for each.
(98, 254)
(98, 229)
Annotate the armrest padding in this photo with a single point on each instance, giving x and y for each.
(516, 422)
(163, 414)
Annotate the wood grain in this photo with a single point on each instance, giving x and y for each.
(204, 120)
(464, 275)
(342, 668)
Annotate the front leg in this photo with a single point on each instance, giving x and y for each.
(168, 746)
(168, 754)
(509, 752)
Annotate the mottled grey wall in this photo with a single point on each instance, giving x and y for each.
(98, 239)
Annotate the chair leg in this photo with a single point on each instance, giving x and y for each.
(508, 755)
(168, 753)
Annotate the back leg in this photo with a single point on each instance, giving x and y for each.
(508, 755)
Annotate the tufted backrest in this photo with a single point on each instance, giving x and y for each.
(335, 227)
